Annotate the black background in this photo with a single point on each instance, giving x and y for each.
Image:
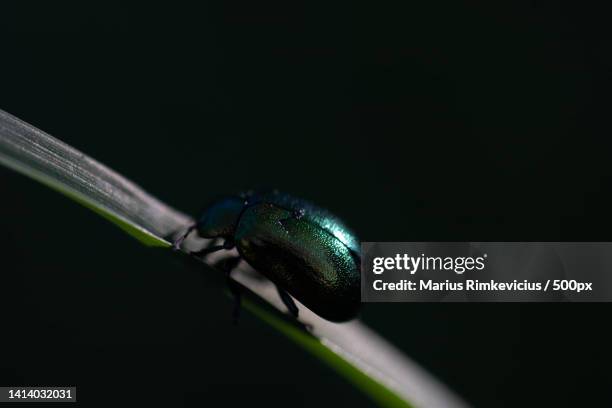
(433, 121)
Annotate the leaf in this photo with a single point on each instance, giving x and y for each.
(352, 349)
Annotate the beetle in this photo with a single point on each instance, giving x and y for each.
(303, 249)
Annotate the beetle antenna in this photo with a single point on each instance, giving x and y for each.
(177, 244)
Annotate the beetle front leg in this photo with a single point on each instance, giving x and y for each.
(176, 245)
(228, 244)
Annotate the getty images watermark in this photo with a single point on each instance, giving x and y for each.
(486, 271)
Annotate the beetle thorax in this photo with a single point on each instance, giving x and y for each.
(220, 218)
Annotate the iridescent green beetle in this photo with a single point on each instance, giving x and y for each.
(302, 248)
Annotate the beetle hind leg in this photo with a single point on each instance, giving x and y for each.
(237, 294)
(234, 287)
(288, 302)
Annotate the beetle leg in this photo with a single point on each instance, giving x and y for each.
(288, 301)
(208, 250)
(234, 287)
(228, 244)
(177, 244)
(237, 294)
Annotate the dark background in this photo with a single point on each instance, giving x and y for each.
(436, 121)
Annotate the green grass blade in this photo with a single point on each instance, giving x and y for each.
(35, 154)
(360, 355)
(384, 396)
